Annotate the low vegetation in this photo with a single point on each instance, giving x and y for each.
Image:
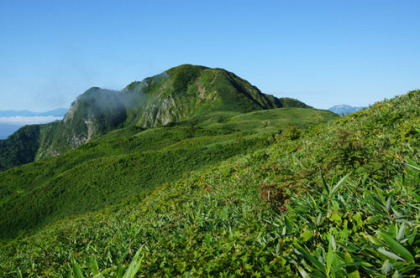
(336, 199)
(133, 161)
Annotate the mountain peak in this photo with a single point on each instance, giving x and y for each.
(187, 67)
(177, 94)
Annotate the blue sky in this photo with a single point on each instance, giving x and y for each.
(321, 52)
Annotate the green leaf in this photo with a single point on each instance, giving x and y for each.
(313, 201)
(318, 220)
(415, 195)
(77, 272)
(351, 266)
(397, 248)
(330, 255)
(401, 232)
(413, 165)
(388, 203)
(278, 248)
(120, 271)
(396, 274)
(333, 244)
(358, 218)
(19, 273)
(351, 270)
(390, 254)
(288, 224)
(134, 265)
(348, 258)
(393, 229)
(325, 184)
(310, 258)
(412, 236)
(336, 218)
(303, 272)
(375, 218)
(207, 238)
(339, 184)
(374, 240)
(93, 265)
(307, 235)
(100, 275)
(386, 267)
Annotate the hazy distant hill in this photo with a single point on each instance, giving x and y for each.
(344, 109)
(60, 112)
(175, 95)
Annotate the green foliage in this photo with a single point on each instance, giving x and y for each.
(184, 75)
(291, 133)
(290, 208)
(130, 162)
(360, 240)
(131, 271)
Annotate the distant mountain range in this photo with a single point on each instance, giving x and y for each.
(344, 109)
(60, 112)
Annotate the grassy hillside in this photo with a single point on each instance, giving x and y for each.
(338, 200)
(130, 161)
(175, 95)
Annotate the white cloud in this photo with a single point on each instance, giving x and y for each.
(19, 120)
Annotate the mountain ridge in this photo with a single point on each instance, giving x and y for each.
(175, 95)
(344, 109)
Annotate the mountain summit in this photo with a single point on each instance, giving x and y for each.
(344, 109)
(175, 95)
(186, 91)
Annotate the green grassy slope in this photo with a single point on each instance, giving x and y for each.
(186, 91)
(175, 95)
(130, 161)
(266, 213)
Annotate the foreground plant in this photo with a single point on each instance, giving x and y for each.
(357, 233)
(109, 272)
(265, 214)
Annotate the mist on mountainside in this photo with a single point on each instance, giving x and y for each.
(175, 95)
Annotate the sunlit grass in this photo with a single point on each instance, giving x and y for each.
(339, 200)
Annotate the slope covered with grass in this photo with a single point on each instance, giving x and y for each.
(340, 199)
(132, 161)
